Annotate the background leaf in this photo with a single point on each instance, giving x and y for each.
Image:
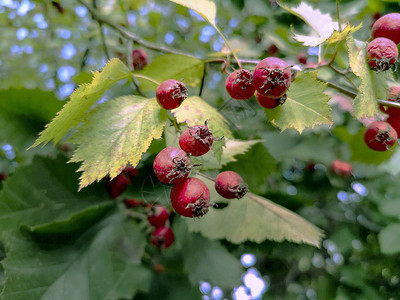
(388, 241)
(205, 8)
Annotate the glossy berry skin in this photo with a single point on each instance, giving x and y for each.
(190, 198)
(341, 168)
(117, 186)
(382, 54)
(388, 27)
(157, 215)
(394, 121)
(171, 93)
(172, 165)
(139, 59)
(394, 96)
(196, 140)
(162, 237)
(230, 185)
(272, 77)
(380, 136)
(239, 84)
(268, 102)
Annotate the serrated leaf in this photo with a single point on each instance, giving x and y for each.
(82, 100)
(365, 104)
(115, 134)
(388, 239)
(100, 264)
(205, 8)
(254, 218)
(172, 66)
(306, 105)
(195, 111)
(340, 36)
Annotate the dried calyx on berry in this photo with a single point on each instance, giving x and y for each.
(171, 93)
(172, 165)
(380, 136)
(230, 185)
(240, 85)
(382, 54)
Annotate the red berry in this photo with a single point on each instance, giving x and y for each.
(117, 186)
(190, 198)
(272, 50)
(162, 237)
(3, 176)
(388, 27)
(230, 185)
(139, 59)
(239, 84)
(268, 102)
(393, 95)
(130, 171)
(380, 136)
(172, 165)
(196, 140)
(394, 121)
(341, 168)
(129, 203)
(382, 53)
(171, 93)
(157, 215)
(302, 58)
(272, 77)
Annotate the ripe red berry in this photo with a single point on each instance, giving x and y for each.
(171, 93)
(393, 95)
(268, 102)
(272, 50)
(230, 185)
(196, 140)
(130, 171)
(394, 121)
(272, 77)
(239, 84)
(341, 168)
(3, 176)
(157, 215)
(382, 54)
(162, 237)
(302, 58)
(129, 203)
(172, 165)
(388, 27)
(190, 198)
(380, 136)
(139, 59)
(117, 186)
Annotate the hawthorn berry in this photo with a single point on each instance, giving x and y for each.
(272, 77)
(239, 84)
(382, 54)
(394, 121)
(129, 203)
(230, 185)
(196, 140)
(118, 185)
(268, 102)
(157, 215)
(162, 237)
(3, 176)
(139, 59)
(388, 27)
(172, 165)
(394, 96)
(190, 198)
(380, 136)
(341, 168)
(171, 93)
(130, 171)
(302, 58)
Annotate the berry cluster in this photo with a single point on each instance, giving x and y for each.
(382, 51)
(158, 216)
(271, 79)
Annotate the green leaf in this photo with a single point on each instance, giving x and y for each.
(205, 8)
(115, 134)
(172, 66)
(340, 36)
(46, 192)
(306, 105)
(195, 111)
(82, 100)
(389, 239)
(390, 208)
(103, 263)
(254, 218)
(365, 104)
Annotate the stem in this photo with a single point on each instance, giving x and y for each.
(229, 47)
(203, 80)
(102, 35)
(146, 78)
(140, 92)
(338, 15)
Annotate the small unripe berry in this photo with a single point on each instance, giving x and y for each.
(162, 237)
(388, 27)
(239, 84)
(382, 54)
(196, 140)
(394, 96)
(380, 136)
(171, 93)
(268, 102)
(190, 198)
(139, 59)
(230, 185)
(272, 77)
(172, 165)
(157, 215)
(117, 186)
(341, 168)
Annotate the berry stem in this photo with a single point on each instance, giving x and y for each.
(338, 15)
(229, 47)
(146, 78)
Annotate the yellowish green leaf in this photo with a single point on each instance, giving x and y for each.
(205, 8)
